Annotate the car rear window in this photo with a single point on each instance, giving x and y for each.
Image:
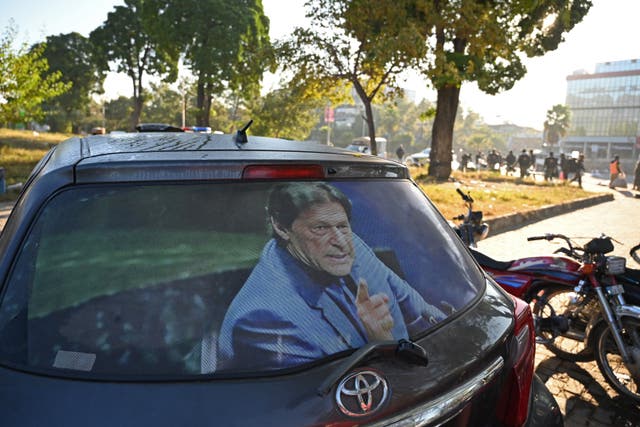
(228, 277)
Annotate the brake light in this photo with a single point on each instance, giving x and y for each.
(517, 392)
(283, 172)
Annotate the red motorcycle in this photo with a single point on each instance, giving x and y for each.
(546, 282)
(586, 305)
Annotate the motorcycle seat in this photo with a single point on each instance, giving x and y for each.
(486, 261)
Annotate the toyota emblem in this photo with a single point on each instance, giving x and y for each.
(361, 393)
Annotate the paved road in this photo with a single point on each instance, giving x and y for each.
(582, 393)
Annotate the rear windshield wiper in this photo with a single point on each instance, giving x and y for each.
(403, 349)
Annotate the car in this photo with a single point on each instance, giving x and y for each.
(363, 145)
(420, 158)
(178, 278)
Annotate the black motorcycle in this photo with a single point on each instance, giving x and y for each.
(470, 228)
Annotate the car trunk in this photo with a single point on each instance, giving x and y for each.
(461, 384)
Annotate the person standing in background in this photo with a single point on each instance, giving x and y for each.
(614, 170)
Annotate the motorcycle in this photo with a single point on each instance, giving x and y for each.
(471, 229)
(586, 305)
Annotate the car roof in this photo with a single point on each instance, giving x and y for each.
(96, 157)
(142, 144)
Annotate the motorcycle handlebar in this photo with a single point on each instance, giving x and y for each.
(465, 197)
(549, 237)
(572, 251)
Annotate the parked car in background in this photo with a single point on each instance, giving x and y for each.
(178, 278)
(363, 145)
(420, 158)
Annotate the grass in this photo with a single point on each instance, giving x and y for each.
(20, 150)
(494, 194)
(88, 264)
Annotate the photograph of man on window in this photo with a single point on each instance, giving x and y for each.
(317, 289)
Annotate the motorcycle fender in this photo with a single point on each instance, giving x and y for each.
(595, 320)
(628, 311)
(621, 311)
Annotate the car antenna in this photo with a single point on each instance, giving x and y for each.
(241, 135)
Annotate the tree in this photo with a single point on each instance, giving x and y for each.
(402, 121)
(483, 41)
(286, 113)
(70, 55)
(25, 82)
(164, 105)
(131, 39)
(354, 42)
(557, 123)
(226, 47)
(117, 113)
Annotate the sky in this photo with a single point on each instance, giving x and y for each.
(607, 33)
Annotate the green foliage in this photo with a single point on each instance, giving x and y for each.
(130, 40)
(25, 82)
(225, 44)
(557, 123)
(402, 121)
(471, 134)
(286, 113)
(162, 105)
(117, 113)
(483, 41)
(71, 56)
(359, 43)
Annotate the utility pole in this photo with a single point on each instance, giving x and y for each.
(329, 117)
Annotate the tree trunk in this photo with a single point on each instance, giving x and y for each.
(137, 111)
(371, 127)
(442, 132)
(368, 112)
(207, 105)
(137, 102)
(200, 103)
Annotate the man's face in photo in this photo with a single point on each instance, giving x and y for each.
(321, 237)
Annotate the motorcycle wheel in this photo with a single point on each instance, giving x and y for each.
(625, 379)
(560, 300)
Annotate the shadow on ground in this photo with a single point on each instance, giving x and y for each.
(584, 395)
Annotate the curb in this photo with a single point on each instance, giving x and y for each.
(514, 221)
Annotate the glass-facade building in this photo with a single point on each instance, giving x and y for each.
(605, 112)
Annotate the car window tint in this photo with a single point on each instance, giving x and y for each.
(188, 279)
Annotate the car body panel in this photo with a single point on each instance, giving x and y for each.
(453, 358)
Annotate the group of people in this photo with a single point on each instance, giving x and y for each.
(562, 167)
(526, 162)
(492, 161)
